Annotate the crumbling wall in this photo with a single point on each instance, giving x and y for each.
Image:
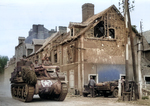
(104, 45)
(104, 52)
(90, 32)
(77, 30)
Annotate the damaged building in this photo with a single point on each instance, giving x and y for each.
(94, 47)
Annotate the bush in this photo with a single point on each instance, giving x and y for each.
(3, 62)
(145, 97)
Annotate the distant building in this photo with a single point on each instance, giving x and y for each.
(20, 48)
(37, 43)
(37, 54)
(39, 32)
(146, 35)
(26, 46)
(145, 60)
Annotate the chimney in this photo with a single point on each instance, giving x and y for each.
(21, 39)
(40, 27)
(35, 28)
(87, 11)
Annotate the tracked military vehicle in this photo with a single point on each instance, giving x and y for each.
(46, 81)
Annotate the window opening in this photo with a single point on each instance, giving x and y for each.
(147, 80)
(95, 77)
(99, 29)
(72, 32)
(55, 56)
(111, 33)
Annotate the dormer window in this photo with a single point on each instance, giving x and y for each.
(71, 31)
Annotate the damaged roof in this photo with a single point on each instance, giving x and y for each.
(96, 16)
(90, 21)
(78, 24)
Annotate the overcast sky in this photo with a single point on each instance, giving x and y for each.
(18, 16)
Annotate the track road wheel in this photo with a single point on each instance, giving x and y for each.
(63, 94)
(22, 92)
(115, 93)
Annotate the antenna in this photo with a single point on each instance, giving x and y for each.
(122, 5)
(141, 27)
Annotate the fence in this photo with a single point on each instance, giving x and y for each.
(146, 89)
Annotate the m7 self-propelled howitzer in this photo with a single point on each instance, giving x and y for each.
(46, 81)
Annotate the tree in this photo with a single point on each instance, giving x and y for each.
(134, 29)
(3, 62)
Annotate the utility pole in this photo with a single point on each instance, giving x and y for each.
(127, 46)
(129, 32)
(139, 61)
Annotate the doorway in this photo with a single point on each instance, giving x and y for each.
(95, 77)
(147, 79)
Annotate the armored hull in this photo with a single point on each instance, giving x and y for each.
(45, 81)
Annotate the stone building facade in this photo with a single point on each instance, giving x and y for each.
(95, 47)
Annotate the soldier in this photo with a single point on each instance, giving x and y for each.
(36, 63)
(32, 67)
(57, 69)
(122, 84)
(47, 62)
(92, 85)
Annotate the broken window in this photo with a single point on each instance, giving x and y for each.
(99, 29)
(147, 80)
(72, 32)
(111, 33)
(55, 56)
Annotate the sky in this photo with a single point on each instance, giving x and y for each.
(18, 16)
